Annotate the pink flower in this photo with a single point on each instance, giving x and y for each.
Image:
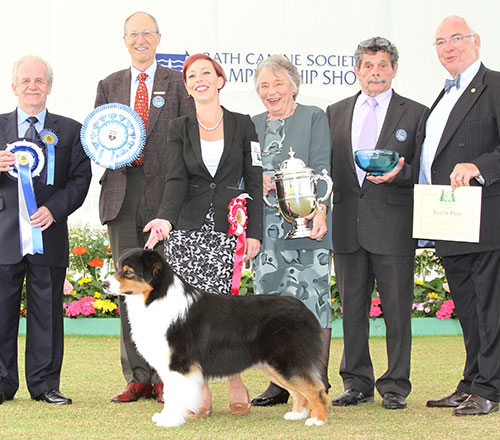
(68, 288)
(446, 310)
(446, 287)
(81, 307)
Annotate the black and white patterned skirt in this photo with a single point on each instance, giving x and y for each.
(203, 257)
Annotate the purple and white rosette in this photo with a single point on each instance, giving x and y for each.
(113, 135)
(30, 161)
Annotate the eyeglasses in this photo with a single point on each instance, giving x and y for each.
(382, 42)
(454, 41)
(147, 34)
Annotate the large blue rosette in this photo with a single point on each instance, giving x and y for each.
(30, 161)
(113, 135)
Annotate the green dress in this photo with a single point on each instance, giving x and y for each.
(301, 273)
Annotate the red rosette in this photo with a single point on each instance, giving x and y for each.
(238, 219)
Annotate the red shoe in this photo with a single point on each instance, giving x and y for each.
(158, 392)
(133, 392)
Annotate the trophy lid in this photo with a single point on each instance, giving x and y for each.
(293, 164)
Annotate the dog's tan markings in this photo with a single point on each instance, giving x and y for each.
(305, 395)
(132, 284)
(195, 369)
(156, 269)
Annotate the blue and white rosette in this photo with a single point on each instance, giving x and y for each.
(113, 135)
(50, 140)
(30, 161)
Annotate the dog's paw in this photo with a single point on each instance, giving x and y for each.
(291, 415)
(168, 420)
(313, 421)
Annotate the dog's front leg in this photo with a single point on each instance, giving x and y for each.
(182, 393)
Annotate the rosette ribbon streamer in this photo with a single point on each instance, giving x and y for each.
(238, 218)
(31, 238)
(50, 140)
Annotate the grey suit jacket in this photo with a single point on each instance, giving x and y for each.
(472, 134)
(71, 184)
(375, 217)
(169, 84)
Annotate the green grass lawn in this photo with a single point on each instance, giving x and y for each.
(92, 374)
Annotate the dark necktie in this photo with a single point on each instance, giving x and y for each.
(449, 83)
(141, 107)
(31, 132)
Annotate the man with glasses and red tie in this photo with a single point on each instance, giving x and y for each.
(372, 221)
(130, 196)
(461, 147)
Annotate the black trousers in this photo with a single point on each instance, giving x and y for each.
(474, 281)
(356, 274)
(44, 332)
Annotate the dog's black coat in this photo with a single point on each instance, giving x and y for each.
(228, 334)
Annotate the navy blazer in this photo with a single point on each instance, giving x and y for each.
(190, 189)
(472, 134)
(71, 184)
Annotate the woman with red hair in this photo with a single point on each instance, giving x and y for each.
(211, 159)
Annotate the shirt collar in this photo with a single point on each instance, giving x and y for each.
(468, 74)
(22, 116)
(382, 99)
(150, 71)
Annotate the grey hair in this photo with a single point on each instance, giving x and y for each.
(374, 45)
(48, 68)
(457, 17)
(275, 63)
(157, 28)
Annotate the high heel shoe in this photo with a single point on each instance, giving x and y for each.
(281, 397)
(240, 408)
(202, 413)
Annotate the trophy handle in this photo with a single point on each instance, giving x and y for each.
(268, 203)
(329, 185)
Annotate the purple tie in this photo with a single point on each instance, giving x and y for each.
(368, 136)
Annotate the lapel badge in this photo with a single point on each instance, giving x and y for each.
(158, 101)
(401, 135)
(473, 90)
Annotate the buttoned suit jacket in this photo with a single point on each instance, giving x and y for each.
(472, 135)
(116, 88)
(71, 183)
(375, 217)
(190, 189)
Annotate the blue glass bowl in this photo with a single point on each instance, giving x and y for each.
(376, 162)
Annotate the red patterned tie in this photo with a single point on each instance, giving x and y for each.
(141, 107)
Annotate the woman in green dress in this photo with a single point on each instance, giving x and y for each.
(298, 267)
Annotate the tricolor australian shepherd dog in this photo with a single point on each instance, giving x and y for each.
(190, 336)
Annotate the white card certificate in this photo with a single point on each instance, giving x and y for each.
(440, 213)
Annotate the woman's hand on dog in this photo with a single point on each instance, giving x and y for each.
(252, 248)
(159, 228)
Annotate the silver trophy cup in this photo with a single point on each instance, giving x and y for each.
(296, 194)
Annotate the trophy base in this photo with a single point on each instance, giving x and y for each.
(298, 233)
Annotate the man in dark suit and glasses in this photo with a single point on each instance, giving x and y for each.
(130, 196)
(461, 147)
(44, 272)
(372, 220)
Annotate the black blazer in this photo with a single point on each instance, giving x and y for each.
(190, 189)
(375, 217)
(472, 134)
(71, 184)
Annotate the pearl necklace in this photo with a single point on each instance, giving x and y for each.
(211, 128)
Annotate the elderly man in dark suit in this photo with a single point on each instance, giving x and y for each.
(462, 148)
(43, 267)
(130, 197)
(372, 219)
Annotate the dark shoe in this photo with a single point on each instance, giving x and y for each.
(278, 399)
(451, 401)
(55, 397)
(133, 392)
(4, 397)
(158, 392)
(475, 405)
(351, 397)
(393, 401)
